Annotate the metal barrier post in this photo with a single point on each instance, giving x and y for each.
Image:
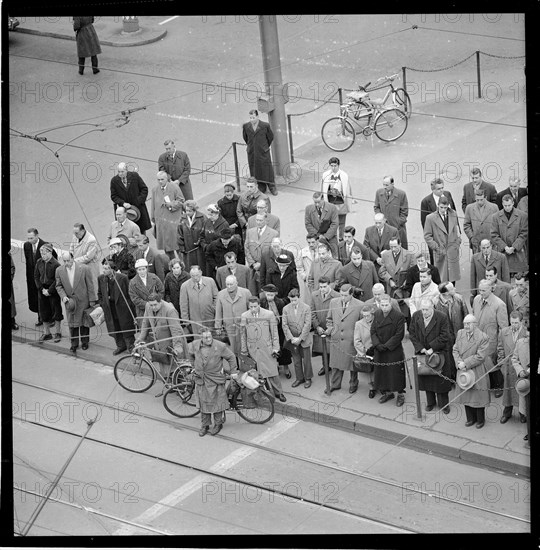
(289, 131)
(478, 73)
(340, 92)
(416, 390)
(236, 171)
(325, 365)
(404, 71)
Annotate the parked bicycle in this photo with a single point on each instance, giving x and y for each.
(364, 116)
(247, 397)
(137, 373)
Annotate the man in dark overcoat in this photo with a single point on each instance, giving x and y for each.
(31, 249)
(387, 332)
(258, 137)
(176, 164)
(119, 311)
(430, 333)
(87, 42)
(394, 205)
(128, 189)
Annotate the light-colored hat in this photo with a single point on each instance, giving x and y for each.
(465, 379)
(523, 386)
(141, 262)
(213, 208)
(116, 240)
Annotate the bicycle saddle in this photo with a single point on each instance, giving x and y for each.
(357, 95)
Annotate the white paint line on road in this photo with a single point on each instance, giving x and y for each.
(167, 20)
(194, 119)
(172, 499)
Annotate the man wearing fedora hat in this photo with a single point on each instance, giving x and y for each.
(521, 361)
(470, 352)
(215, 252)
(430, 336)
(129, 191)
(75, 286)
(122, 258)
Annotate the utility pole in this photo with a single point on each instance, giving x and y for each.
(274, 102)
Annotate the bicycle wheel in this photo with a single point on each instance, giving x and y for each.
(338, 134)
(260, 408)
(390, 124)
(134, 373)
(403, 102)
(180, 370)
(179, 401)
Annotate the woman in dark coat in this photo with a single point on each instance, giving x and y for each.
(189, 234)
(87, 42)
(213, 226)
(176, 277)
(228, 206)
(123, 259)
(118, 309)
(436, 337)
(387, 332)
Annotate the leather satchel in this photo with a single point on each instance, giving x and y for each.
(362, 363)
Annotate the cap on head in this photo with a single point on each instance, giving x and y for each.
(141, 262)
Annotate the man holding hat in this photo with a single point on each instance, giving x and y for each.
(430, 336)
(129, 191)
(142, 285)
(75, 286)
(124, 226)
(216, 250)
(470, 352)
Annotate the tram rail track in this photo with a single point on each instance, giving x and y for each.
(334, 468)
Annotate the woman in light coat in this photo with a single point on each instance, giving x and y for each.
(362, 340)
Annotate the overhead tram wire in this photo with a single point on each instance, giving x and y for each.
(468, 33)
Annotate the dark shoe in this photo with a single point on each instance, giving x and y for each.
(118, 351)
(445, 410)
(469, 423)
(203, 431)
(85, 346)
(504, 419)
(95, 71)
(44, 337)
(273, 191)
(73, 350)
(372, 393)
(321, 371)
(288, 373)
(57, 337)
(296, 383)
(39, 323)
(353, 389)
(14, 325)
(480, 425)
(81, 71)
(307, 384)
(214, 430)
(282, 398)
(498, 393)
(386, 397)
(522, 418)
(429, 407)
(526, 437)
(400, 400)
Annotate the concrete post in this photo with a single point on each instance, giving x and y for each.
(130, 23)
(274, 88)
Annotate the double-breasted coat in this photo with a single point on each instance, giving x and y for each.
(505, 349)
(492, 318)
(477, 223)
(50, 307)
(189, 236)
(341, 324)
(135, 194)
(258, 143)
(116, 289)
(328, 220)
(139, 292)
(229, 312)
(31, 259)
(178, 168)
(199, 304)
(445, 244)
(82, 292)
(259, 339)
(473, 353)
(319, 312)
(363, 277)
(166, 221)
(86, 37)
(387, 334)
(511, 232)
(209, 375)
(435, 336)
(395, 209)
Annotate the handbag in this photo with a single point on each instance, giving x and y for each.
(362, 363)
(87, 319)
(97, 315)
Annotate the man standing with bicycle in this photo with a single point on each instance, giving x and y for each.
(207, 356)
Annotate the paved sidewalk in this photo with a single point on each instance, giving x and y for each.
(498, 446)
(109, 30)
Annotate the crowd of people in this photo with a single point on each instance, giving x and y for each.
(222, 280)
